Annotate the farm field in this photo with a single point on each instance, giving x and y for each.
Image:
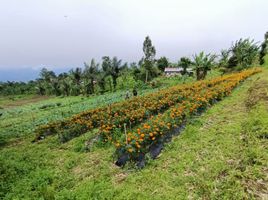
(20, 111)
(133, 100)
(220, 154)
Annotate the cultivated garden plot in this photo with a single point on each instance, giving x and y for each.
(100, 106)
(136, 125)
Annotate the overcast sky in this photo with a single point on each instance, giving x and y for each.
(60, 34)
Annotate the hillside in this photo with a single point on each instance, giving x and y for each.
(221, 154)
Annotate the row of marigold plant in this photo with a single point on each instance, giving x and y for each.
(154, 130)
(132, 112)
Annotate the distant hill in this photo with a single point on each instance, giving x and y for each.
(25, 74)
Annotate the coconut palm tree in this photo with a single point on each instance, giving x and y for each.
(76, 76)
(65, 83)
(89, 74)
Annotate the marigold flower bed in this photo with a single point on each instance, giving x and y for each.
(132, 112)
(138, 142)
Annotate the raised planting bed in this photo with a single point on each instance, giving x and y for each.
(151, 135)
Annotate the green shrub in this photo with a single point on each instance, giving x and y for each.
(71, 132)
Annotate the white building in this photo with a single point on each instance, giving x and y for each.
(169, 71)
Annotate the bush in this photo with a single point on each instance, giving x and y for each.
(71, 132)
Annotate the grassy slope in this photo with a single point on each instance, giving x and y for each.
(217, 156)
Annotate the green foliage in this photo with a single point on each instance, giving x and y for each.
(17, 88)
(264, 49)
(148, 61)
(89, 74)
(224, 58)
(162, 63)
(184, 62)
(202, 64)
(244, 54)
(72, 132)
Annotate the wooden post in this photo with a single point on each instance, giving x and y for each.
(32, 116)
(146, 76)
(125, 129)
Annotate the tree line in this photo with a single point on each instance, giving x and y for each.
(98, 78)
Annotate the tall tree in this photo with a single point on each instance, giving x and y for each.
(106, 65)
(65, 83)
(76, 76)
(149, 57)
(47, 78)
(90, 73)
(112, 67)
(47, 75)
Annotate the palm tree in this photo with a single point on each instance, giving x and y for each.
(90, 73)
(65, 83)
(244, 53)
(76, 76)
(55, 86)
(111, 68)
(40, 87)
(203, 63)
(47, 78)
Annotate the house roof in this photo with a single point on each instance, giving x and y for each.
(177, 69)
(169, 69)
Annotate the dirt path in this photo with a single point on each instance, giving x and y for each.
(20, 102)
